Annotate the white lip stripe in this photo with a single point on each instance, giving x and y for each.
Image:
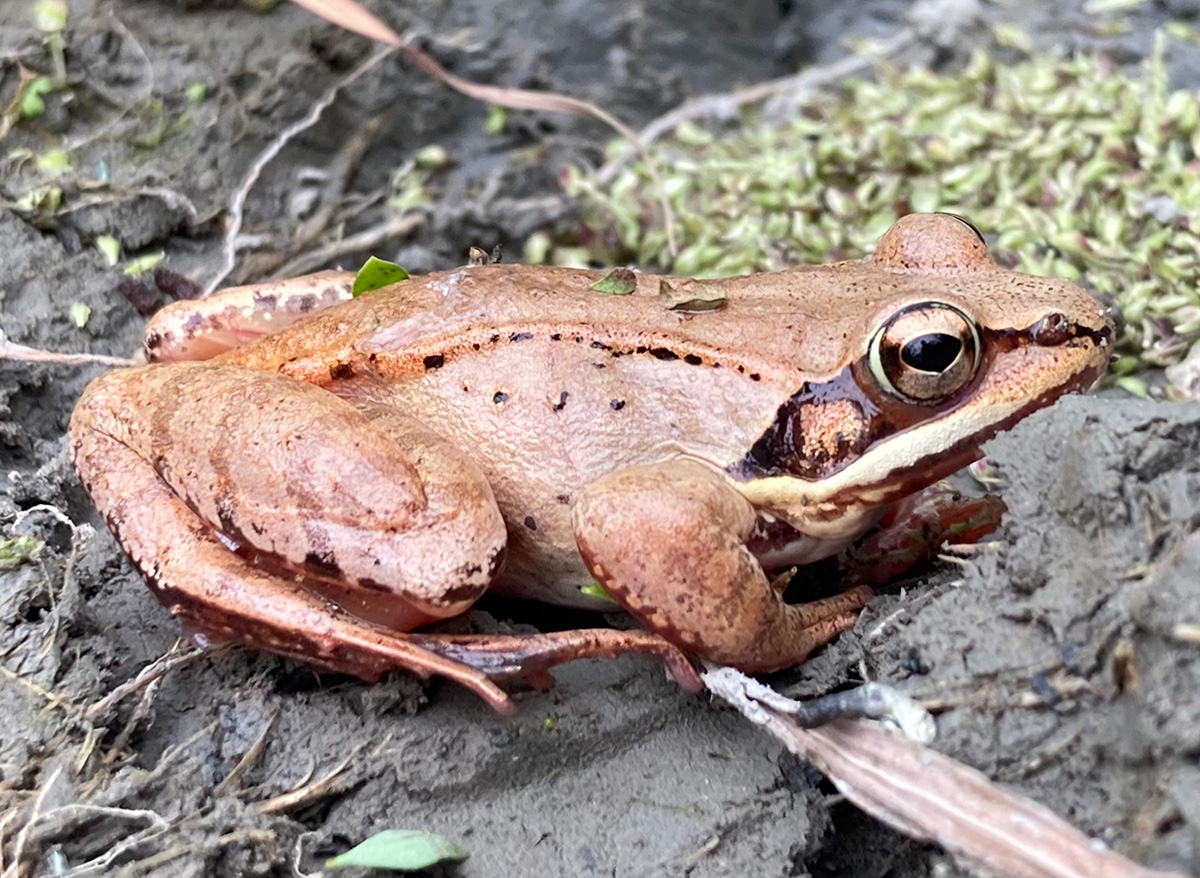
(799, 500)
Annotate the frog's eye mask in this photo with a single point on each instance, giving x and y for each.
(931, 386)
(925, 353)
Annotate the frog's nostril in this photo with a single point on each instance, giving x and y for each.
(1053, 329)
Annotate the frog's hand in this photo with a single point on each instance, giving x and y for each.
(668, 542)
(307, 486)
(916, 529)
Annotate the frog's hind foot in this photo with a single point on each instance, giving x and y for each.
(530, 656)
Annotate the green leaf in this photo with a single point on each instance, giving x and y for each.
(406, 850)
(596, 590)
(145, 262)
(50, 16)
(376, 273)
(618, 282)
(19, 550)
(496, 121)
(109, 247)
(78, 313)
(53, 161)
(32, 105)
(434, 157)
(691, 295)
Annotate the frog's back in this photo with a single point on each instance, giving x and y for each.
(551, 383)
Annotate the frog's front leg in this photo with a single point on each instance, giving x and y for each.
(668, 541)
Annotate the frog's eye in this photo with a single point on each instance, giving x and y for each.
(925, 353)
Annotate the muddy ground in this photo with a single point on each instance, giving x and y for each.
(1061, 659)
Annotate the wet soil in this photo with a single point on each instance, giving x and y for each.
(1064, 659)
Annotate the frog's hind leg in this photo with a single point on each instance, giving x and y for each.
(530, 656)
(294, 477)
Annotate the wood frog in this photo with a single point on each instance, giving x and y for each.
(347, 470)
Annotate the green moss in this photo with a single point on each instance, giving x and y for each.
(1070, 167)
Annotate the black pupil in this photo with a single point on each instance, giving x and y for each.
(932, 353)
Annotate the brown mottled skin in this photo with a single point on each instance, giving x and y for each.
(322, 490)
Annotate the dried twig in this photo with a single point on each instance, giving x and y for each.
(146, 92)
(34, 816)
(233, 780)
(338, 175)
(175, 657)
(10, 350)
(930, 797)
(726, 106)
(393, 227)
(1186, 633)
(331, 783)
(353, 17)
(238, 204)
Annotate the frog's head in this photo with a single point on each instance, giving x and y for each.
(947, 350)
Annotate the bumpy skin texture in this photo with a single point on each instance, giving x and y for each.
(511, 427)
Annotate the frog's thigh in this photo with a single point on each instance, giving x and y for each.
(668, 542)
(370, 506)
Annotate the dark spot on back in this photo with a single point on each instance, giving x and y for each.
(372, 584)
(463, 592)
(499, 397)
(530, 523)
(664, 354)
(303, 304)
(153, 340)
(754, 376)
(562, 401)
(194, 322)
(434, 361)
(495, 338)
(692, 360)
(556, 337)
(323, 562)
(616, 404)
(475, 346)
(520, 336)
(266, 303)
(600, 346)
(341, 371)
(564, 499)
